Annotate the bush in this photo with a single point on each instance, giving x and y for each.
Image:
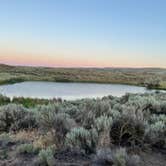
(127, 131)
(103, 123)
(4, 100)
(10, 114)
(152, 82)
(156, 131)
(46, 157)
(16, 117)
(134, 120)
(5, 139)
(3, 154)
(82, 139)
(57, 123)
(29, 102)
(159, 107)
(27, 149)
(27, 122)
(51, 108)
(103, 126)
(121, 158)
(72, 111)
(115, 114)
(91, 110)
(118, 157)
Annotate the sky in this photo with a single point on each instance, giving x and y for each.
(83, 33)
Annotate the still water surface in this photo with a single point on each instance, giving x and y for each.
(68, 91)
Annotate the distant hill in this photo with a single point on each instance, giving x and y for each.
(131, 76)
(105, 68)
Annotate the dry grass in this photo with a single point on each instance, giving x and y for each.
(26, 135)
(44, 141)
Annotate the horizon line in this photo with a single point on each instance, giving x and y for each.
(92, 67)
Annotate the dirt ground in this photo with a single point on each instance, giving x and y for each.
(151, 159)
(74, 158)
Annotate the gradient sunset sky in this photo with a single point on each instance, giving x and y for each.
(83, 33)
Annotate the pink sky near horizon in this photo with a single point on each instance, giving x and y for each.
(85, 33)
(43, 53)
(61, 60)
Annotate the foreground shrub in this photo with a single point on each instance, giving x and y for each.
(121, 158)
(103, 123)
(72, 111)
(133, 120)
(92, 110)
(118, 157)
(16, 117)
(3, 154)
(57, 123)
(10, 114)
(5, 139)
(46, 156)
(156, 131)
(27, 149)
(28, 121)
(82, 139)
(127, 131)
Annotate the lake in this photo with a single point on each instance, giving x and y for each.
(68, 91)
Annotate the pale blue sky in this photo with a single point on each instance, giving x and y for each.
(84, 32)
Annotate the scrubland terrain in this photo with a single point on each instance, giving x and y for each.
(112, 131)
(131, 76)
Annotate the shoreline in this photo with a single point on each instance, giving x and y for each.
(123, 76)
(5, 82)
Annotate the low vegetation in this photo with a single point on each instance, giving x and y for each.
(117, 157)
(109, 131)
(149, 77)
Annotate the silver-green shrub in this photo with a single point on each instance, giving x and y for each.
(5, 139)
(57, 123)
(46, 157)
(27, 149)
(15, 117)
(103, 123)
(82, 139)
(117, 157)
(156, 131)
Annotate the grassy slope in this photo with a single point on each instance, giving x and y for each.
(12, 74)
